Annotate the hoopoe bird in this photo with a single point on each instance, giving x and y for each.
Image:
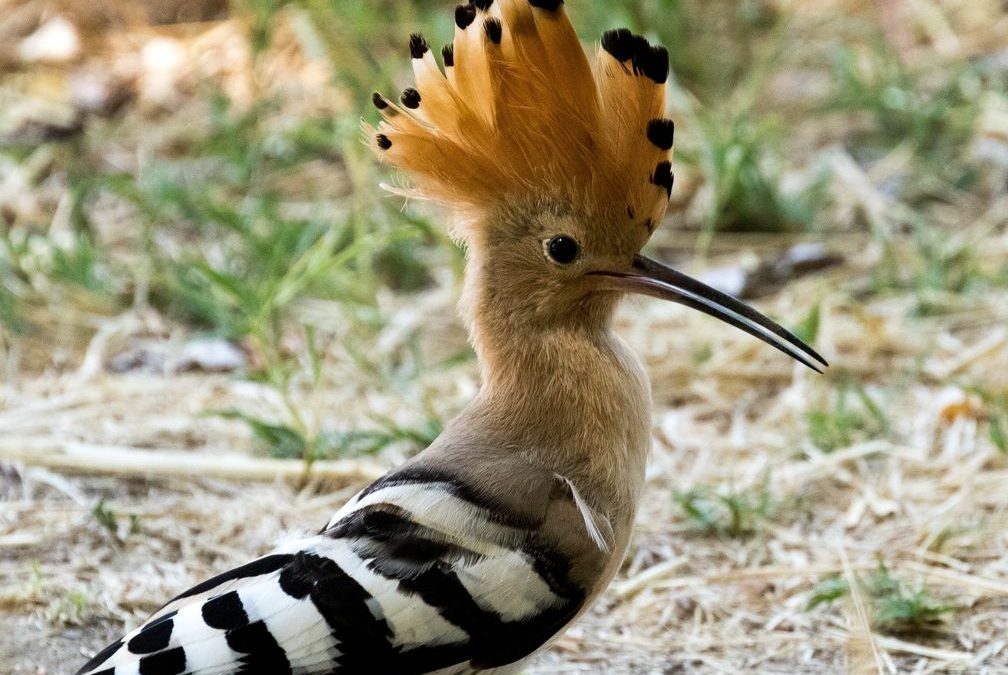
(480, 550)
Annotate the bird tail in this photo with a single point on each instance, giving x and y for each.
(245, 620)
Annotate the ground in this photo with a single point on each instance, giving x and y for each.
(167, 371)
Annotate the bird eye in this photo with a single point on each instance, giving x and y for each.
(563, 249)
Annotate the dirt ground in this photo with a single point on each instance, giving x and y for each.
(930, 505)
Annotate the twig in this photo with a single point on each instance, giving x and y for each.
(109, 460)
(635, 584)
(977, 584)
(860, 631)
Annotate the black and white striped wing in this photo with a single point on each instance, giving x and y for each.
(415, 575)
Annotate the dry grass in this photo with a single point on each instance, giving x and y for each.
(930, 503)
(768, 485)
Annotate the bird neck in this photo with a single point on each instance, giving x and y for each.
(569, 396)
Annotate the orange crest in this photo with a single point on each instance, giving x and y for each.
(520, 113)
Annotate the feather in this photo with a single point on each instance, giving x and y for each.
(520, 111)
(438, 107)
(420, 572)
(589, 515)
(631, 76)
(471, 70)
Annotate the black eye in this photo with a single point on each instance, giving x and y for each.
(563, 249)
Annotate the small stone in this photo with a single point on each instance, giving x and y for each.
(210, 356)
(98, 92)
(55, 41)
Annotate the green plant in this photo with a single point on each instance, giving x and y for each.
(999, 434)
(365, 442)
(10, 312)
(996, 408)
(827, 590)
(107, 518)
(736, 147)
(79, 264)
(849, 419)
(357, 36)
(930, 111)
(34, 264)
(808, 328)
(72, 608)
(738, 161)
(251, 257)
(731, 512)
(288, 442)
(897, 607)
(935, 268)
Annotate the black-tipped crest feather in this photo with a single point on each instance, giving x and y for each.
(663, 176)
(548, 5)
(649, 60)
(464, 16)
(418, 46)
(494, 30)
(619, 43)
(661, 133)
(410, 98)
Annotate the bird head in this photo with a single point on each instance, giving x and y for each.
(557, 169)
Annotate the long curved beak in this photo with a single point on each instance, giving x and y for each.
(650, 277)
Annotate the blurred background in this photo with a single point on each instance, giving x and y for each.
(215, 327)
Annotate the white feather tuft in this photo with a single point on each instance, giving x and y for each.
(589, 514)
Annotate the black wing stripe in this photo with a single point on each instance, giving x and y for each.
(100, 658)
(386, 535)
(225, 612)
(493, 642)
(154, 637)
(554, 568)
(443, 590)
(391, 541)
(264, 565)
(169, 662)
(263, 656)
(419, 559)
(345, 606)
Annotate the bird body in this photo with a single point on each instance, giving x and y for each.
(467, 558)
(478, 551)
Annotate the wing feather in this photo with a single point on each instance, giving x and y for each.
(420, 572)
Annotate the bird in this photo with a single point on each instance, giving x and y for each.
(553, 169)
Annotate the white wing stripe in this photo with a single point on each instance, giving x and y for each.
(509, 586)
(205, 647)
